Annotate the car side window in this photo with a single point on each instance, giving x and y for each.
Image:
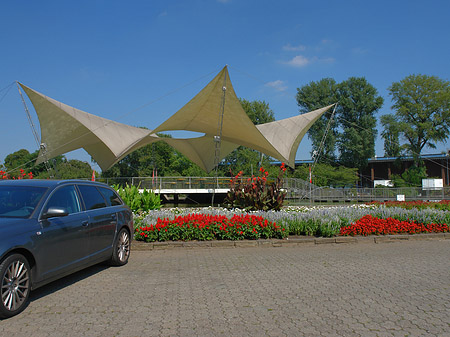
(65, 197)
(93, 199)
(111, 197)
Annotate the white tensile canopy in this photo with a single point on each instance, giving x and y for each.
(286, 134)
(215, 111)
(64, 129)
(203, 112)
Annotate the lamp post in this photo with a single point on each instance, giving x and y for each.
(448, 154)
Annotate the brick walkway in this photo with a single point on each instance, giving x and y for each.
(385, 289)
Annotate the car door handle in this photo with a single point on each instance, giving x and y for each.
(85, 223)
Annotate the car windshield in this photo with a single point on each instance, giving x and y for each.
(19, 201)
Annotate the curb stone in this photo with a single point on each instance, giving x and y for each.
(292, 241)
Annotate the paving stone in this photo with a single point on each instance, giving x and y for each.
(324, 240)
(246, 243)
(346, 239)
(295, 290)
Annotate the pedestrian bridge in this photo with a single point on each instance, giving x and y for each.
(203, 189)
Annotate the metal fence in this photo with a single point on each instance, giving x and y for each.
(298, 190)
(159, 183)
(339, 195)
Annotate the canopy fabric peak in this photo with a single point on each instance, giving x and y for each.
(65, 128)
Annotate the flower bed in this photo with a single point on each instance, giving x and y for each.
(206, 223)
(442, 205)
(210, 227)
(369, 225)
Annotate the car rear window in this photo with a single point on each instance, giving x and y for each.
(19, 201)
(111, 197)
(93, 199)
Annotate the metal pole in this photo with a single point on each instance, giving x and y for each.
(448, 183)
(218, 138)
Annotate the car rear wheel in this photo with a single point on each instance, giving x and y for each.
(15, 285)
(121, 248)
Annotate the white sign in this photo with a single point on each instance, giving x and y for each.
(400, 197)
(432, 184)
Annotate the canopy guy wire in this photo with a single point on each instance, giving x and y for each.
(317, 153)
(169, 93)
(40, 145)
(6, 89)
(30, 120)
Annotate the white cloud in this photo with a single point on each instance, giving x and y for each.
(301, 61)
(278, 85)
(289, 47)
(298, 61)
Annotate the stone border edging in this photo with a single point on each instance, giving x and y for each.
(291, 241)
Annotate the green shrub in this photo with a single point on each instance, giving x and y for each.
(256, 194)
(138, 201)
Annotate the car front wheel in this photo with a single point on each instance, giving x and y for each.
(121, 248)
(15, 285)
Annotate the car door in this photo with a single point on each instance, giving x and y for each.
(62, 244)
(102, 221)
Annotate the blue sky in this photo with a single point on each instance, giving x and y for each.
(138, 62)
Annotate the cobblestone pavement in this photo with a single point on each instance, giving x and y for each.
(385, 289)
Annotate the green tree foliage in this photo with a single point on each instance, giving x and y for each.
(316, 95)
(327, 175)
(353, 133)
(422, 112)
(358, 103)
(21, 159)
(61, 168)
(412, 177)
(391, 135)
(69, 169)
(158, 157)
(259, 112)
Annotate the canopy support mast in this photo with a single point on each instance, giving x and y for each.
(218, 138)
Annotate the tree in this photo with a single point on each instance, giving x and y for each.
(313, 96)
(422, 112)
(21, 159)
(258, 111)
(353, 134)
(391, 135)
(358, 103)
(412, 177)
(327, 175)
(69, 169)
(61, 168)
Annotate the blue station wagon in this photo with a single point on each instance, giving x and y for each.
(51, 228)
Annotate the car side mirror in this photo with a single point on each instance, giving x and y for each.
(53, 212)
